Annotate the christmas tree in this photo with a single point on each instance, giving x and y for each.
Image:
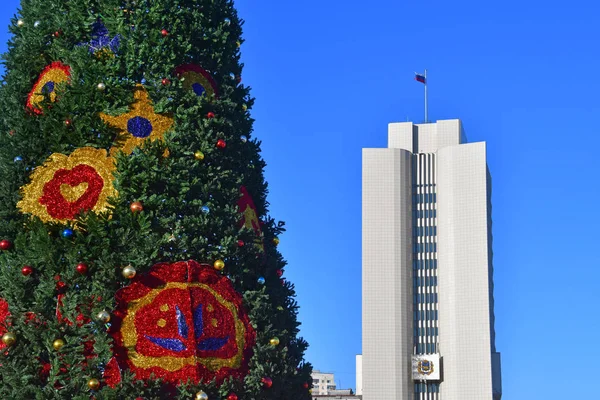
(137, 256)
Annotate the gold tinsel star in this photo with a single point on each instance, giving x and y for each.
(141, 123)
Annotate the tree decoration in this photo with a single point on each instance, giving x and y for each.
(103, 316)
(210, 115)
(82, 268)
(4, 314)
(101, 86)
(136, 207)
(65, 186)
(182, 321)
(5, 244)
(67, 233)
(102, 43)
(219, 265)
(198, 155)
(261, 280)
(58, 344)
(274, 342)
(197, 79)
(267, 382)
(221, 144)
(93, 384)
(276, 241)
(26, 270)
(128, 272)
(249, 216)
(201, 395)
(141, 123)
(53, 75)
(164, 32)
(20, 23)
(232, 396)
(9, 339)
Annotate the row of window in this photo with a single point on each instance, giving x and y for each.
(423, 387)
(425, 348)
(424, 230)
(426, 315)
(425, 247)
(422, 298)
(424, 198)
(425, 213)
(426, 331)
(424, 281)
(425, 264)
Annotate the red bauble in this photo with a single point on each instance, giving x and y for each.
(267, 382)
(164, 32)
(27, 270)
(210, 115)
(279, 273)
(221, 144)
(82, 268)
(241, 243)
(5, 244)
(166, 82)
(232, 396)
(305, 385)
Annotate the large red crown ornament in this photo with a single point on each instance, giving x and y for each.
(182, 321)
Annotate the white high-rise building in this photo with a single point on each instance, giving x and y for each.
(428, 307)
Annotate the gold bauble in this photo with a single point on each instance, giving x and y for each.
(58, 344)
(101, 86)
(244, 107)
(136, 206)
(201, 395)
(20, 23)
(93, 384)
(219, 265)
(199, 155)
(9, 338)
(103, 316)
(276, 241)
(274, 341)
(128, 272)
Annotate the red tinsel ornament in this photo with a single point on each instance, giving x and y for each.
(4, 314)
(182, 321)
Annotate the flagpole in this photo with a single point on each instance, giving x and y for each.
(426, 105)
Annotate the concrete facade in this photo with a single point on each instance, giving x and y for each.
(427, 266)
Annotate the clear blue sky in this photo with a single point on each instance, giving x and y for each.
(523, 76)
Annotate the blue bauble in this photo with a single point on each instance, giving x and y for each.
(67, 233)
(261, 280)
(205, 209)
(18, 158)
